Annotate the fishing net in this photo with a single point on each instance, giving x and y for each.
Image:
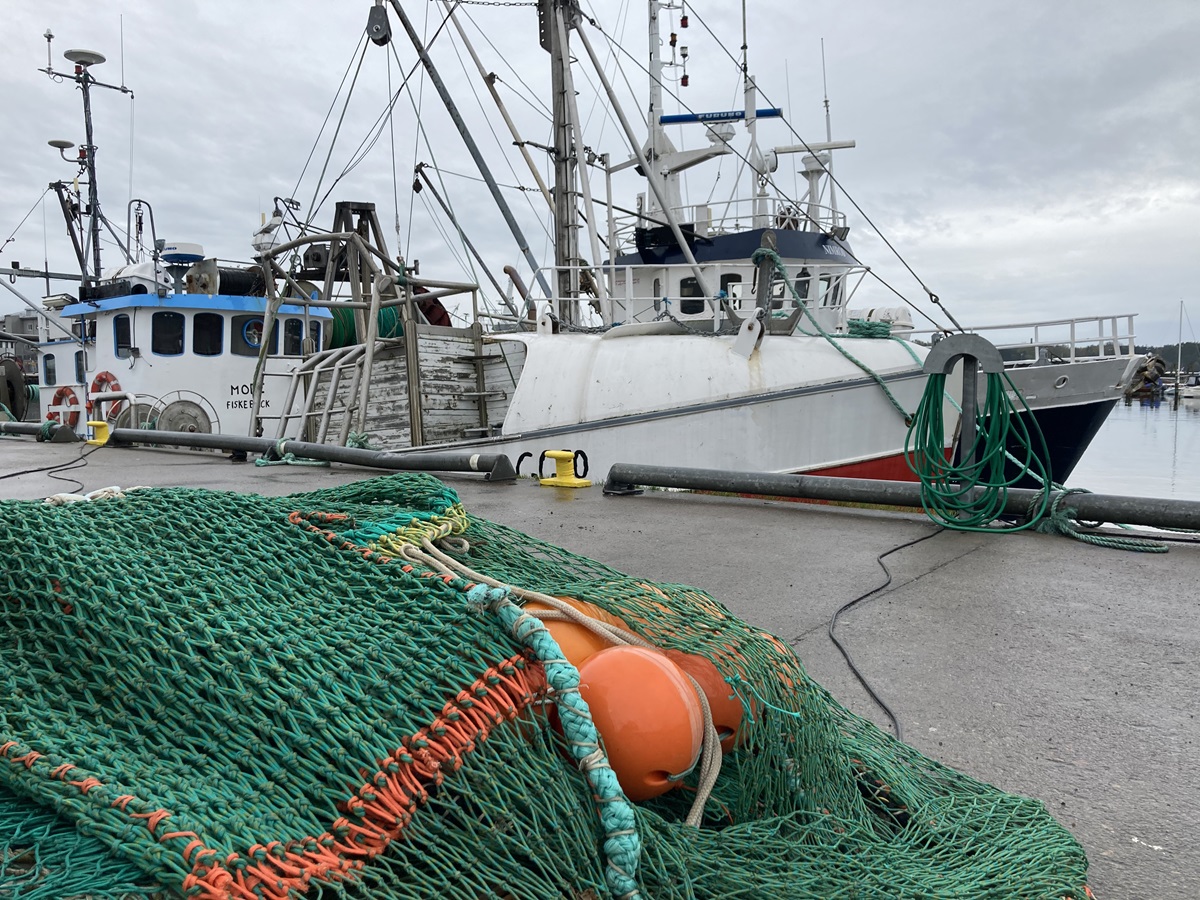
(211, 694)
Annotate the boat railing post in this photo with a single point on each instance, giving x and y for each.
(1101, 335)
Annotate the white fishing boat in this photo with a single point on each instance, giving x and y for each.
(709, 335)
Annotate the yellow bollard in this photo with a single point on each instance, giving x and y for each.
(99, 433)
(564, 469)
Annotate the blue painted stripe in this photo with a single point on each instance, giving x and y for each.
(212, 302)
(733, 115)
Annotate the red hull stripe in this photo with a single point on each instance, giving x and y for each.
(885, 468)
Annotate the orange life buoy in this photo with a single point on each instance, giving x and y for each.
(106, 382)
(64, 396)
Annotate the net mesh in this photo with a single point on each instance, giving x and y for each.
(212, 694)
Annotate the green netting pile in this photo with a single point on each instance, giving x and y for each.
(210, 694)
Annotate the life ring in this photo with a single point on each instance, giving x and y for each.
(104, 383)
(64, 396)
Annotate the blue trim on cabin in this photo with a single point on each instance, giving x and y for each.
(204, 302)
(811, 246)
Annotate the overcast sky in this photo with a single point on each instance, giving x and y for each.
(1027, 159)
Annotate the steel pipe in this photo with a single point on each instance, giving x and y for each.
(495, 466)
(1155, 512)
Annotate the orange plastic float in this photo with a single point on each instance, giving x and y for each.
(577, 641)
(648, 714)
(726, 709)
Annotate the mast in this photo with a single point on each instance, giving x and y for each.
(562, 14)
(381, 34)
(83, 60)
(89, 149)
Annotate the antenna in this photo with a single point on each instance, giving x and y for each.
(825, 86)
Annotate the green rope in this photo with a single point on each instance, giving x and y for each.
(621, 844)
(278, 457)
(359, 440)
(766, 253)
(972, 494)
(861, 328)
(251, 691)
(1061, 520)
(7, 413)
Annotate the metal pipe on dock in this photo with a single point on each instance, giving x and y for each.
(494, 466)
(1154, 512)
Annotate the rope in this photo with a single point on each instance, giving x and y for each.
(766, 253)
(1062, 520)
(278, 457)
(972, 494)
(257, 700)
(861, 328)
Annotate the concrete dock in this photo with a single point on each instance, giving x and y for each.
(1048, 667)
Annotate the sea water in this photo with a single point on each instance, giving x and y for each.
(1146, 449)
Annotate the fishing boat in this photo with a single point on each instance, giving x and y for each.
(733, 335)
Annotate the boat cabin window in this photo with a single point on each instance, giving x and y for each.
(49, 370)
(166, 333)
(208, 334)
(80, 367)
(829, 290)
(121, 336)
(293, 336)
(246, 333)
(657, 291)
(732, 286)
(314, 334)
(803, 283)
(692, 301)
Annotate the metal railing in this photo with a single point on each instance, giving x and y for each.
(1057, 340)
(825, 288)
(733, 216)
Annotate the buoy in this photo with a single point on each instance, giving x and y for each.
(648, 714)
(577, 641)
(69, 414)
(106, 382)
(725, 707)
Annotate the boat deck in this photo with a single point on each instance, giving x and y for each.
(1048, 667)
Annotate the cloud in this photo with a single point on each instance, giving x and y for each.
(1027, 159)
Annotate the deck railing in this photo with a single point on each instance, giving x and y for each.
(1066, 340)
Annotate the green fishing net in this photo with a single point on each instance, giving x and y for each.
(210, 694)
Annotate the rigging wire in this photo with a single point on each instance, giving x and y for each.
(12, 237)
(325, 123)
(845, 193)
(333, 141)
(488, 120)
(392, 137)
(800, 207)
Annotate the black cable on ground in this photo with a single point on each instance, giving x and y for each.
(77, 463)
(896, 726)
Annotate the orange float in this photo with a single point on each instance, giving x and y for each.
(64, 396)
(725, 707)
(577, 641)
(648, 714)
(105, 383)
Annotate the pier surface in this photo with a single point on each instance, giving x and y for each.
(1047, 667)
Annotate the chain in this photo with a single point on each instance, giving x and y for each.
(577, 329)
(726, 329)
